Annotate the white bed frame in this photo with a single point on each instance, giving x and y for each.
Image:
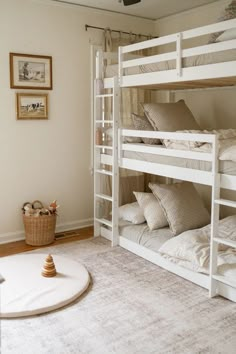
(205, 76)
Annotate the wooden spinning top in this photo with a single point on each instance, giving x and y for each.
(49, 269)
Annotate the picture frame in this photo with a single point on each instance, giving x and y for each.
(31, 106)
(28, 71)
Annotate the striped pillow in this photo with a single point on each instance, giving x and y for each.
(151, 209)
(142, 123)
(182, 206)
(229, 14)
(170, 117)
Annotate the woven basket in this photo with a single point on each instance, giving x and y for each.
(39, 231)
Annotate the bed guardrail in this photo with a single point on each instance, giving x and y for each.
(179, 53)
(184, 173)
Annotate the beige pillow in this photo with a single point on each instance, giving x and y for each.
(142, 123)
(127, 139)
(182, 206)
(151, 209)
(228, 14)
(170, 117)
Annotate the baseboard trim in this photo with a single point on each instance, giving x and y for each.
(68, 226)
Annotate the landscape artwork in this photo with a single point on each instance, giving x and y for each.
(30, 71)
(32, 106)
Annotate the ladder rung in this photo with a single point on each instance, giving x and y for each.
(105, 95)
(104, 196)
(226, 202)
(224, 241)
(104, 172)
(224, 280)
(108, 147)
(104, 121)
(104, 221)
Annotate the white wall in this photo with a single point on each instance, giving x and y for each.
(212, 109)
(49, 160)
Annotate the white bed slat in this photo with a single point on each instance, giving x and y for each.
(182, 173)
(150, 43)
(208, 138)
(196, 32)
(149, 60)
(215, 27)
(209, 48)
(204, 49)
(157, 150)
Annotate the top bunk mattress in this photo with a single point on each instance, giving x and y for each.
(197, 60)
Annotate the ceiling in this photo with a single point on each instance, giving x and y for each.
(150, 9)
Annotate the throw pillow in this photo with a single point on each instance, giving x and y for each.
(227, 35)
(142, 123)
(127, 139)
(151, 209)
(228, 14)
(170, 117)
(182, 206)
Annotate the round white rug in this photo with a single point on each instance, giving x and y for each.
(25, 292)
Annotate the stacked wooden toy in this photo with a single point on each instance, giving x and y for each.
(49, 269)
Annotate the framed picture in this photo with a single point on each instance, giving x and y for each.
(32, 106)
(30, 71)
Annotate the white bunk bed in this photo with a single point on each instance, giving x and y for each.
(217, 74)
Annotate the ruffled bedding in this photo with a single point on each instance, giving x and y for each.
(227, 143)
(191, 249)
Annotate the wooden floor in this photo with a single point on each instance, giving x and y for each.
(7, 249)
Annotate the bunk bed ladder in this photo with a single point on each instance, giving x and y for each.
(106, 226)
(217, 201)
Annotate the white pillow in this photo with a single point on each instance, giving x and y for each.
(152, 211)
(132, 213)
(227, 35)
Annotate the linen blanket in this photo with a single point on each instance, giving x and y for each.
(227, 143)
(191, 249)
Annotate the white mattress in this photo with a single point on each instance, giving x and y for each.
(227, 167)
(153, 240)
(142, 235)
(204, 59)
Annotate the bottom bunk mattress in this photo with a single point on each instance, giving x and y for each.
(142, 235)
(190, 249)
(226, 166)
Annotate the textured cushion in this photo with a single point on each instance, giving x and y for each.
(132, 213)
(127, 139)
(227, 35)
(170, 116)
(228, 14)
(151, 209)
(142, 123)
(182, 206)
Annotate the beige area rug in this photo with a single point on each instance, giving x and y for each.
(132, 307)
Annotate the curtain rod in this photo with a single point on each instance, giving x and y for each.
(130, 33)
